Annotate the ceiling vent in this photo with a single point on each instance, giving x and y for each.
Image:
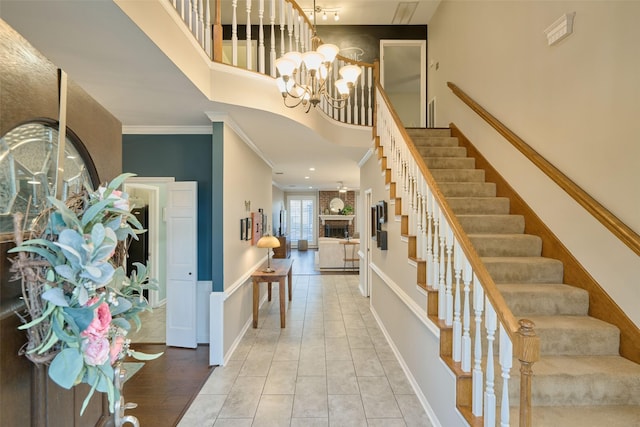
(404, 12)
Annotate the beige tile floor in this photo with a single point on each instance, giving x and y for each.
(331, 366)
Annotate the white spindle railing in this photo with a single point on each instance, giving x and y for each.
(295, 33)
(196, 14)
(453, 271)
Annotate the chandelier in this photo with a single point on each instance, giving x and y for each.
(303, 76)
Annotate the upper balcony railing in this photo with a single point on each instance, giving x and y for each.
(261, 30)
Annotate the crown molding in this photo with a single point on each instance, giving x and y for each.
(228, 120)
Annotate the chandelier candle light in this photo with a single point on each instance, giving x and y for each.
(303, 76)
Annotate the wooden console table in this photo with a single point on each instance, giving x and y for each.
(282, 269)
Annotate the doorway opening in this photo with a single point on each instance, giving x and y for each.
(404, 79)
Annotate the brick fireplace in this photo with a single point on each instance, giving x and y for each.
(335, 227)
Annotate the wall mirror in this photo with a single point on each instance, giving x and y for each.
(336, 205)
(28, 165)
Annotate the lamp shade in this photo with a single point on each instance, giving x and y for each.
(295, 56)
(350, 73)
(312, 59)
(285, 66)
(268, 242)
(329, 51)
(342, 86)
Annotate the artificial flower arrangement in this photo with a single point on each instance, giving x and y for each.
(80, 303)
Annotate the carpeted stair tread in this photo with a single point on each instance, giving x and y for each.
(576, 381)
(576, 335)
(457, 175)
(586, 380)
(545, 299)
(429, 151)
(524, 269)
(479, 205)
(468, 189)
(496, 224)
(434, 141)
(450, 162)
(581, 416)
(427, 132)
(506, 245)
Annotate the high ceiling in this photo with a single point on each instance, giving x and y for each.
(116, 63)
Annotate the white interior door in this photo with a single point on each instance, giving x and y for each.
(182, 263)
(404, 78)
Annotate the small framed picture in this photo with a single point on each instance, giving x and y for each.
(243, 229)
(248, 229)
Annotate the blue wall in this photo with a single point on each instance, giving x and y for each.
(187, 158)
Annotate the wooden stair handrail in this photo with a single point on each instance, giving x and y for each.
(491, 290)
(526, 343)
(602, 214)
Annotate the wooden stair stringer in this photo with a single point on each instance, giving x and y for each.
(601, 305)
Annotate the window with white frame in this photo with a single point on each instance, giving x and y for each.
(302, 219)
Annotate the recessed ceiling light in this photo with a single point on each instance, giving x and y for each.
(312, 169)
(306, 177)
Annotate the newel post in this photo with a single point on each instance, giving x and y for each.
(528, 351)
(217, 33)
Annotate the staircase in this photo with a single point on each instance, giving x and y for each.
(580, 380)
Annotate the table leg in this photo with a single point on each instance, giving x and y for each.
(289, 280)
(256, 297)
(269, 291)
(282, 302)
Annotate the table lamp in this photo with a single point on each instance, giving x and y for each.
(268, 241)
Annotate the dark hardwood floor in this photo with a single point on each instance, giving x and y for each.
(164, 388)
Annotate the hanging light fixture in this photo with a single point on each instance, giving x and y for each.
(303, 76)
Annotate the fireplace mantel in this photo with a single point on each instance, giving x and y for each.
(349, 218)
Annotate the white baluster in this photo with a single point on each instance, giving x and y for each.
(207, 31)
(282, 25)
(370, 86)
(467, 274)
(190, 9)
(261, 51)
(290, 25)
(435, 261)
(362, 106)
(272, 51)
(506, 360)
(457, 322)
(442, 300)
(234, 33)
(200, 30)
(348, 108)
(489, 393)
(449, 274)
(296, 30)
(419, 216)
(430, 228)
(249, 50)
(478, 376)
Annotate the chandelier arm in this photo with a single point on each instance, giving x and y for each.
(335, 102)
(295, 104)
